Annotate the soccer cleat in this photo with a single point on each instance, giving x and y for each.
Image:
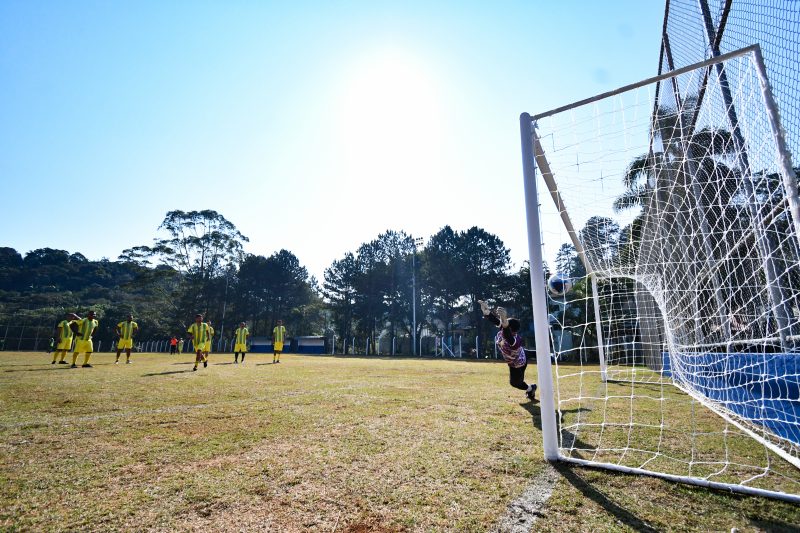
(194, 369)
(63, 363)
(116, 362)
(127, 362)
(205, 364)
(73, 365)
(87, 365)
(484, 308)
(53, 363)
(502, 314)
(531, 394)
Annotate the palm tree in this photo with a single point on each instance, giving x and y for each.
(699, 200)
(684, 187)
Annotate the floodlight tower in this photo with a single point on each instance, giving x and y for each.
(417, 242)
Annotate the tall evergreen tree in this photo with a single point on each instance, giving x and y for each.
(339, 290)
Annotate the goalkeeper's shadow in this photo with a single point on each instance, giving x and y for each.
(569, 439)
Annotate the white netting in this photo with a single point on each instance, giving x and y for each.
(682, 214)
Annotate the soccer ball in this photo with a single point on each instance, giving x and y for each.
(559, 285)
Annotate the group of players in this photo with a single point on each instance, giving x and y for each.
(201, 333)
(80, 330)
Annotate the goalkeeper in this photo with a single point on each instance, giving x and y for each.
(510, 344)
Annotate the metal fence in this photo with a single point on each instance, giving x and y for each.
(453, 346)
(33, 338)
(38, 338)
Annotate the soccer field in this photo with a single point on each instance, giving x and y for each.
(315, 443)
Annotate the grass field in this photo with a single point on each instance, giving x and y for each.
(314, 443)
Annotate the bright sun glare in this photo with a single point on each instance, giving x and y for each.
(391, 119)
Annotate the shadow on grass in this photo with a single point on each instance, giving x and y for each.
(535, 411)
(640, 386)
(262, 364)
(571, 475)
(59, 367)
(55, 367)
(734, 502)
(151, 374)
(569, 440)
(772, 525)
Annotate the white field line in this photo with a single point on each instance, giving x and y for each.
(521, 513)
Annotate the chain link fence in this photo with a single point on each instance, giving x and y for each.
(452, 347)
(39, 338)
(26, 338)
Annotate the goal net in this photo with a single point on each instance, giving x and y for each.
(676, 352)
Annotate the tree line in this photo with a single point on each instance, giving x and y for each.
(197, 263)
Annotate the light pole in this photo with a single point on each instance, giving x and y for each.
(417, 242)
(224, 306)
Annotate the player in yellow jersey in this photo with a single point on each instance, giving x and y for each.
(126, 331)
(64, 336)
(240, 342)
(199, 334)
(207, 346)
(84, 328)
(278, 337)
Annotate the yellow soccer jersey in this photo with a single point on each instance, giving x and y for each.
(65, 328)
(200, 333)
(86, 327)
(278, 334)
(241, 335)
(126, 329)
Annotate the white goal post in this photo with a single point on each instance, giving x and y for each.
(677, 352)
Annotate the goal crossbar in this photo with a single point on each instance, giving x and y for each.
(649, 81)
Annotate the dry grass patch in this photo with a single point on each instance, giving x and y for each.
(314, 443)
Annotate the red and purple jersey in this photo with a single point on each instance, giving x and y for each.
(514, 353)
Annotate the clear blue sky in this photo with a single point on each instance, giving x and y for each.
(312, 126)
